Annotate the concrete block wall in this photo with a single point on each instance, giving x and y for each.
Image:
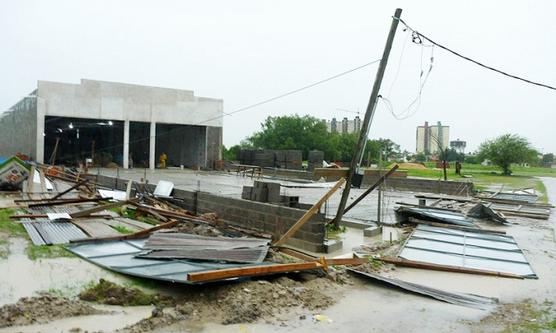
(430, 186)
(264, 217)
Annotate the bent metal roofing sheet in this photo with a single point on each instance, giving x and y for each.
(120, 256)
(485, 251)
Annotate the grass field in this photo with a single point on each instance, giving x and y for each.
(490, 177)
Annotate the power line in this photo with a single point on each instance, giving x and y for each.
(477, 62)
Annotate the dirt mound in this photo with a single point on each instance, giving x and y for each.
(107, 292)
(42, 309)
(408, 166)
(245, 302)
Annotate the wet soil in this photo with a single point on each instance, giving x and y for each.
(42, 309)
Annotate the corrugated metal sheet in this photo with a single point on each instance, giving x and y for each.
(189, 246)
(437, 215)
(182, 241)
(530, 198)
(44, 231)
(249, 255)
(469, 300)
(120, 256)
(485, 251)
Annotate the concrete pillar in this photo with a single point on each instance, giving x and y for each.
(152, 145)
(39, 148)
(126, 144)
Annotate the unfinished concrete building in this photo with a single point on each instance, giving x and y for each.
(126, 124)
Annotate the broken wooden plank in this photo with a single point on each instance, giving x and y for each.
(82, 182)
(64, 202)
(135, 235)
(100, 208)
(308, 214)
(222, 274)
(446, 268)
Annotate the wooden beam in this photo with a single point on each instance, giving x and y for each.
(82, 182)
(89, 211)
(229, 273)
(325, 261)
(139, 234)
(369, 190)
(446, 268)
(50, 202)
(308, 214)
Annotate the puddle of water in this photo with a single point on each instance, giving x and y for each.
(22, 277)
(117, 318)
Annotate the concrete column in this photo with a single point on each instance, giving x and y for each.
(39, 148)
(152, 145)
(126, 144)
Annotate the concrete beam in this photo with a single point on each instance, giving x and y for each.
(126, 144)
(152, 145)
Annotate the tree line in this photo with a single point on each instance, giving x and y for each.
(307, 133)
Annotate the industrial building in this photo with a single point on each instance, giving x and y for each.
(113, 123)
(432, 139)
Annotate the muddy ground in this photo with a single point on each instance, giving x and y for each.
(305, 302)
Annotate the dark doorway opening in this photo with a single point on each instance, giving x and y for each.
(139, 144)
(183, 144)
(80, 139)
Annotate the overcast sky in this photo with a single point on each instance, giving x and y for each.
(247, 51)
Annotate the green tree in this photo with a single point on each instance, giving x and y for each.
(548, 158)
(294, 132)
(507, 149)
(230, 154)
(421, 157)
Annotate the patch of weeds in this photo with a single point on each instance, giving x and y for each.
(10, 227)
(122, 229)
(4, 248)
(333, 231)
(524, 317)
(35, 252)
(107, 292)
(147, 219)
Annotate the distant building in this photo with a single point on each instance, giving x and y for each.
(345, 126)
(458, 146)
(431, 139)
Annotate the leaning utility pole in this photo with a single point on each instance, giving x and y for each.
(368, 116)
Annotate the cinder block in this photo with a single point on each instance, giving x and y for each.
(372, 231)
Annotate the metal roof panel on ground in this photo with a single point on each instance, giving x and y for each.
(242, 255)
(469, 300)
(438, 215)
(44, 231)
(492, 252)
(120, 256)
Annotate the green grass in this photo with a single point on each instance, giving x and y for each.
(10, 227)
(4, 248)
(122, 229)
(489, 177)
(35, 252)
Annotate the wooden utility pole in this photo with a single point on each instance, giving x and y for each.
(368, 116)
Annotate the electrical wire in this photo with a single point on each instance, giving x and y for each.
(245, 108)
(410, 110)
(420, 35)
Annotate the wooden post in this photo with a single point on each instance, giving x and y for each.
(312, 211)
(368, 116)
